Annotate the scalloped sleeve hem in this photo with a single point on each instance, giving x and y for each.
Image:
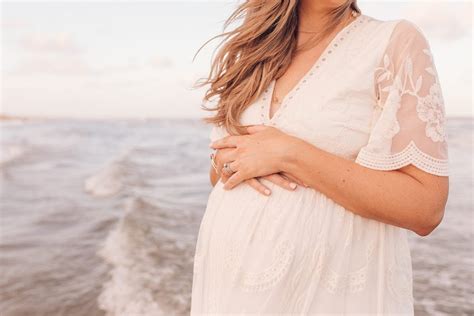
(410, 155)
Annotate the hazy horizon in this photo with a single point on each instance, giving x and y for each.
(71, 59)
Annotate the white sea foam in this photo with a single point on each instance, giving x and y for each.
(10, 153)
(114, 176)
(107, 182)
(146, 276)
(131, 251)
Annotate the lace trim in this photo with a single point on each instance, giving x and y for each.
(411, 154)
(262, 280)
(353, 281)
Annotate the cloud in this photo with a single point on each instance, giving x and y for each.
(59, 54)
(68, 66)
(161, 61)
(48, 65)
(147, 96)
(41, 42)
(14, 24)
(449, 21)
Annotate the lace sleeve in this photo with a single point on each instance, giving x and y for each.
(410, 121)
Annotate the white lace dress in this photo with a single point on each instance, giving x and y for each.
(373, 97)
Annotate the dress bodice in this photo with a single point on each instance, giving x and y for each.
(373, 96)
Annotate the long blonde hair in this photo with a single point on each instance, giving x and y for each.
(255, 53)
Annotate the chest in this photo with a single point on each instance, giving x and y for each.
(332, 106)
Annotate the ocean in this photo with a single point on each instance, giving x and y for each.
(100, 217)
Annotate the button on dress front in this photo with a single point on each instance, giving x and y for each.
(372, 97)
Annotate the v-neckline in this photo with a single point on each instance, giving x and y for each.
(316, 64)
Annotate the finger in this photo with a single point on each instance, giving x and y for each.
(281, 181)
(294, 179)
(291, 178)
(225, 155)
(255, 128)
(257, 185)
(224, 177)
(224, 173)
(234, 180)
(234, 166)
(227, 141)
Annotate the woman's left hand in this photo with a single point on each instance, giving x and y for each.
(257, 154)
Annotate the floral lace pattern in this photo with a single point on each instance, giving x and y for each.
(431, 111)
(412, 122)
(430, 108)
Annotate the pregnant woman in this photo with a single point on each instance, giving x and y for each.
(347, 107)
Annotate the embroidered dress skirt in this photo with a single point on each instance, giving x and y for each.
(296, 253)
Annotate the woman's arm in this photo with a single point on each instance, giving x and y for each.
(407, 197)
(400, 176)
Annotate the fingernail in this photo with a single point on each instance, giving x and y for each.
(292, 185)
(267, 192)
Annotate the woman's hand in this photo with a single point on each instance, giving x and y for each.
(260, 187)
(257, 154)
(282, 179)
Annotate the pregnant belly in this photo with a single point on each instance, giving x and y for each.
(304, 214)
(258, 239)
(298, 246)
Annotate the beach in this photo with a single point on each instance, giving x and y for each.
(100, 217)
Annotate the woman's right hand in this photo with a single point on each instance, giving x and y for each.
(282, 179)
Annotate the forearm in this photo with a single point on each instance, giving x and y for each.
(387, 196)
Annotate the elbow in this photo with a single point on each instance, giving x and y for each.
(433, 212)
(429, 223)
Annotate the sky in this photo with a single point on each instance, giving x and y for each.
(121, 59)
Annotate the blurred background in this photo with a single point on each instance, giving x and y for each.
(104, 163)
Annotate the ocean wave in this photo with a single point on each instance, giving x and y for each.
(146, 262)
(119, 173)
(10, 153)
(107, 182)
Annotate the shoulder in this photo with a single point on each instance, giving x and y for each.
(406, 31)
(397, 29)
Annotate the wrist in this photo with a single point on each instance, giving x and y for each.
(289, 157)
